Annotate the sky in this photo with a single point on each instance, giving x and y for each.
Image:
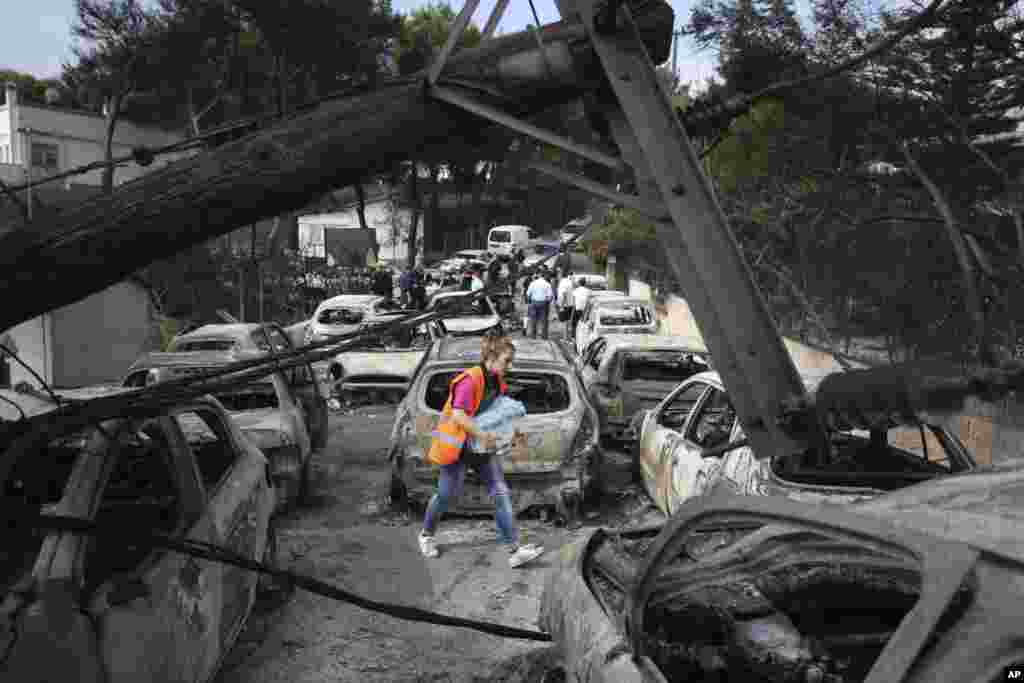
(37, 37)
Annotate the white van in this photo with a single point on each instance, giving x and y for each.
(509, 240)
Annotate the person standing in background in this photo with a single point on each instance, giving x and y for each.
(565, 298)
(580, 296)
(538, 301)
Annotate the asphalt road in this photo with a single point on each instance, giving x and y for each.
(347, 535)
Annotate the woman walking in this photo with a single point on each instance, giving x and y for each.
(469, 394)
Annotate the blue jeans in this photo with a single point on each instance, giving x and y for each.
(538, 314)
(450, 485)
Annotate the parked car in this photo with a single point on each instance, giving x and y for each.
(692, 444)
(553, 462)
(541, 251)
(922, 585)
(468, 255)
(465, 318)
(627, 373)
(608, 314)
(506, 241)
(309, 386)
(344, 313)
(102, 609)
(267, 411)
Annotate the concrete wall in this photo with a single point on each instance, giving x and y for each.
(992, 432)
(96, 339)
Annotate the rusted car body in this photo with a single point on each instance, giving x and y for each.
(692, 444)
(627, 373)
(253, 339)
(922, 585)
(552, 463)
(100, 609)
(606, 314)
(345, 313)
(380, 367)
(266, 410)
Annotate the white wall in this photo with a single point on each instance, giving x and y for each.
(79, 137)
(378, 217)
(33, 341)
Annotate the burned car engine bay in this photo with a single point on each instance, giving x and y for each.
(790, 597)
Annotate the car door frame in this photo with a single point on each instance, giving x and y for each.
(184, 590)
(689, 453)
(308, 395)
(664, 447)
(239, 506)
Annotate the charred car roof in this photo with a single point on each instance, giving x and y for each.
(653, 342)
(467, 351)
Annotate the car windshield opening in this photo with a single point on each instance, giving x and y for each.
(891, 460)
(501, 236)
(207, 345)
(341, 316)
(540, 392)
(458, 307)
(660, 366)
(254, 396)
(624, 315)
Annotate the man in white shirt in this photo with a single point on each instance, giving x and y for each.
(580, 296)
(476, 283)
(565, 297)
(539, 296)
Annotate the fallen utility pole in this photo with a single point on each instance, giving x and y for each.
(282, 168)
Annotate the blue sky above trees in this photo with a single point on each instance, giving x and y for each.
(38, 38)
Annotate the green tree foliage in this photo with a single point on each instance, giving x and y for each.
(425, 30)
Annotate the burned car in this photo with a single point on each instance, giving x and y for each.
(252, 340)
(267, 411)
(627, 373)
(345, 313)
(379, 368)
(555, 458)
(692, 444)
(764, 589)
(100, 608)
(465, 318)
(606, 313)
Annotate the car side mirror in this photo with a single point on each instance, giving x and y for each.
(126, 589)
(723, 449)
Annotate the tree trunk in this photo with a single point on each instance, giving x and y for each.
(280, 168)
(412, 238)
(361, 207)
(114, 103)
(979, 334)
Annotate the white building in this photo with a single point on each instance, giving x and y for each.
(56, 139)
(93, 340)
(391, 226)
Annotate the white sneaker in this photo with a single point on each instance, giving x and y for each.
(525, 553)
(428, 546)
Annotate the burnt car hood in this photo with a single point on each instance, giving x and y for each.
(471, 324)
(400, 362)
(983, 508)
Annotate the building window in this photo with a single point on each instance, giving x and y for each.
(45, 156)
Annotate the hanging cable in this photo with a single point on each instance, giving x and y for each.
(32, 372)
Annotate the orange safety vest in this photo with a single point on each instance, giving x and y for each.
(448, 437)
